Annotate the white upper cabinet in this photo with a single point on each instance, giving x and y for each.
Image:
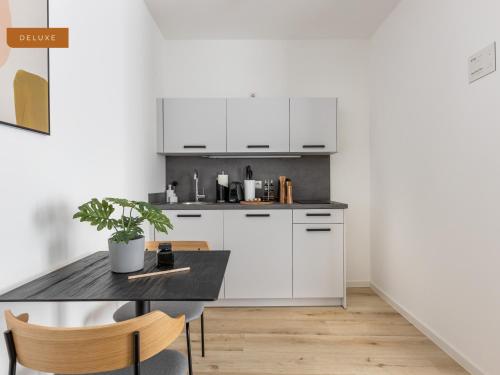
(313, 125)
(258, 125)
(247, 125)
(193, 125)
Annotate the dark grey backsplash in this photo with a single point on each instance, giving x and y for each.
(310, 175)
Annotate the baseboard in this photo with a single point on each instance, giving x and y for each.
(276, 302)
(358, 284)
(433, 336)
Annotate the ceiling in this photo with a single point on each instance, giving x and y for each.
(269, 19)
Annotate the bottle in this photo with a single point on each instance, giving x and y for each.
(169, 193)
(272, 192)
(171, 197)
(289, 198)
(282, 180)
(222, 187)
(268, 191)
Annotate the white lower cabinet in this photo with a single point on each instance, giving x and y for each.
(191, 225)
(318, 261)
(278, 257)
(260, 265)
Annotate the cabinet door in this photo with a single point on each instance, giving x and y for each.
(318, 263)
(260, 265)
(194, 125)
(313, 125)
(159, 125)
(258, 125)
(190, 225)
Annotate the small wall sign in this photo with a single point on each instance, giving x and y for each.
(482, 63)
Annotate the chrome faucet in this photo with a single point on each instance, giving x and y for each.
(197, 196)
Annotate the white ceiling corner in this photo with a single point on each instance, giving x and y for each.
(269, 19)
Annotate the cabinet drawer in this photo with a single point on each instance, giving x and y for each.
(318, 263)
(318, 216)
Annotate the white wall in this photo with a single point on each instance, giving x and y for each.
(435, 188)
(102, 144)
(292, 68)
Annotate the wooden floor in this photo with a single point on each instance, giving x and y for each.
(369, 338)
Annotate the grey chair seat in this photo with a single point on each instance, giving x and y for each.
(167, 362)
(192, 309)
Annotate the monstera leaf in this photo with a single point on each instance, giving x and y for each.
(126, 226)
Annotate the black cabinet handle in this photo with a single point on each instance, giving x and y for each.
(195, 146)
(258, 215)
(313, 146)
(257, 146)
(188, 215)
(325, 214)
(319, 229)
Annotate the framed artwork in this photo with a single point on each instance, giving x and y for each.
(24, 72)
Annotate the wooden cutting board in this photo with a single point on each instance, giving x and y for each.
(255, 203)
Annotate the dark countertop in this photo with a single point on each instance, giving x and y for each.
(237, 206)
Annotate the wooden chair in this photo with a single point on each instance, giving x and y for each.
(180, 245)
(134, 346)
(190, 309)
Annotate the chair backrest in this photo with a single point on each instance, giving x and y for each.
(180, 245)
(91, 349)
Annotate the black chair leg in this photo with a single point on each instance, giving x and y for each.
(11, 350)
(188, 339)
(202, 336)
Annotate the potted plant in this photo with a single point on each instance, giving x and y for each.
(126, 244)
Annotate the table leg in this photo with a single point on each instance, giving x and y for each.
(142, 307)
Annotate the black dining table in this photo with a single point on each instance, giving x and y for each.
(90, 279)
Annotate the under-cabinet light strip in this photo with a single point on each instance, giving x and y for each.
(253, 156)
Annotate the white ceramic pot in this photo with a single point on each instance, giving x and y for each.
(126, 257)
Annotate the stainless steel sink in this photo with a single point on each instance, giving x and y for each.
(195, 203)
